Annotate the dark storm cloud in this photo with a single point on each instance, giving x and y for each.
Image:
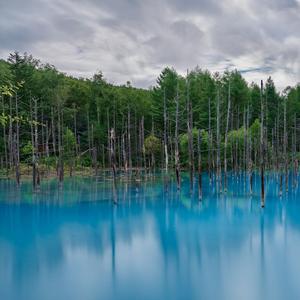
(133, 40)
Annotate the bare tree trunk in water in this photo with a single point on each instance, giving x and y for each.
(129, 141)
(53, 131)
(177, 162)
(113, 163)
(209, 141)
(60, 148)
(89, 133)
(250, 165)
(94, 152)
(199, 166)
(17, 144)
(152, 154)
(190, 135)
(262, 162)
(10, 134)
(32, 146)
(226, 139)
(36, 141)
(285, 141)
(75, 129)
(294, 153)
(47, 139)
(249, 153)
(245, 143)
(218, 143)
(108, 138)
(165, 133)
(123, 145)
(4, 137)
(143, 143)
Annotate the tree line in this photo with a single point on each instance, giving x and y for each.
(200, 121)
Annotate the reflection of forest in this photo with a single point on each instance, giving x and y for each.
(36, 229)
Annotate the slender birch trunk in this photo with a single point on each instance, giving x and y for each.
(190, 135)
(209, 141)
(4, 137)
(113, 163)
(60, 142)
(53, 131)
(218, 143)
(285, 142)
(17, 144)
(165, 134)
(294, 153)
(177, 162)
(129, 140)
(262, 162)
(226, 139)
(199, 166)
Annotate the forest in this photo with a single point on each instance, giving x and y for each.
(54, 124)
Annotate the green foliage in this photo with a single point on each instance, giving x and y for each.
(183, 143)
(255, 130)
(152, 145)
(236, 137)
(69, 144)
(93, 106)
(85, 161)
(26, 152)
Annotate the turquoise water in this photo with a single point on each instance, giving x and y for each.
(74, 243)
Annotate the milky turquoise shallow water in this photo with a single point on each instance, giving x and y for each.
(73, 243)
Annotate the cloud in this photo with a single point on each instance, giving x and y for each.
(133, 40)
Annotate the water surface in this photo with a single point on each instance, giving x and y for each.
(74, 243)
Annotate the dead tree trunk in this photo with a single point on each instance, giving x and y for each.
(108, 137)
(226, 139)
(89, 133)
(177, 162)
(17, 144)
(165, 133)
(245, 142)
(262, 161)
(4, 136)
(113, 163)
(294, 153)
(47, 139)
(250, 165)
(218, 143)
(32, 146)
(75, 129)
(249, 153)
(209, 141)
(53, 131)
(123, 145)
(199, 166)
(190, 135)
(143, 143)
(129, 140)
(42, 141)
(285, 141)
(60, 147)
(36, 142)
(277, 141)
(10, 134)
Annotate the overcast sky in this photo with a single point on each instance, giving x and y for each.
(133, 40)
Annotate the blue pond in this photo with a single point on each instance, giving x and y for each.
(74, 243)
